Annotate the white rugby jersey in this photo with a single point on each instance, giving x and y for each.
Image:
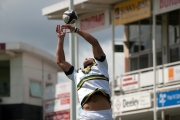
(91, 80)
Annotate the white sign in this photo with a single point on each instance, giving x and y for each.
(130, 82)
(57, 97)
(52, 92)
(162, 6)
(147, 78)
(116, 104)
(95, 21)
(133, 102)
(172, 74)
(58, 104)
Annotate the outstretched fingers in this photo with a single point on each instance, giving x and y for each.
(60, 32)
(63, 31)
(58, 28)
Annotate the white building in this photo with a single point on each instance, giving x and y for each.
(25, 71)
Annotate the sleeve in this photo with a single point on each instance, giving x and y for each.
(102, 62)
(71, 74)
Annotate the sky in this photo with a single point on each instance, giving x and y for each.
(22, 21)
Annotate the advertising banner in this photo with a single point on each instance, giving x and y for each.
(61, 115)
(117, 105)
(172, 74)
(132, 102)
(95, 21)
(130, 82)
(57, 102)
(131, 10)
(147, 78)
(162, 6)
(169, 98)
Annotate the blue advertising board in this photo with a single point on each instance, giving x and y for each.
(169, 98)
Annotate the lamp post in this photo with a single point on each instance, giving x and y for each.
(154, 64)
(72, 59)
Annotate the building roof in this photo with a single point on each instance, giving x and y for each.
(12, 48)
(82, 7)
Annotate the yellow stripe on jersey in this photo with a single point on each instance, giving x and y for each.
(92, 77)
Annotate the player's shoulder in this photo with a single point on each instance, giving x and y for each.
(101, 58)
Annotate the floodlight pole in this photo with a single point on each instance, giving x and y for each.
(113, 60)
(154, 63)
(72, 59)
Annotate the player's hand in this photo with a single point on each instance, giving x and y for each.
(60, 32)
(68, 26)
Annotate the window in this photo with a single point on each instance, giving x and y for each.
(174, 27)
(35, 89)
(145, 34)
(135, 45)
(49, 84)
(134, 64)
(5, 78)
(159, 31)
(174, 54)
(140, 43)
(140, 35)
(159, 58)
(143, 61)
(174, 36)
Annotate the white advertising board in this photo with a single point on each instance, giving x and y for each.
(57, 97)
(172, 74)
(52, 92)
(130, 82)
(95, 21)
(116, 104)
(162, 6)
(131, 102)
(147, 78)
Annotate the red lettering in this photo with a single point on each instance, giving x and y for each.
(168, 3)
(131, 83)
(65, 101)
(127, 79)
(93, 21)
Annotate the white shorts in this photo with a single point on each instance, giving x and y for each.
(96, 115)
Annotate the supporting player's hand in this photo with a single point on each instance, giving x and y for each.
(68, 26)
(60, 32)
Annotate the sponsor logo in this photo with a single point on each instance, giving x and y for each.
(131, 103)
(162, 99)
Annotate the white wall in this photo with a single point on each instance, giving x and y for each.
(16, 89)
(37, 70)
(26, 67)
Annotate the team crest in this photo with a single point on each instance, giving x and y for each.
(88, 69)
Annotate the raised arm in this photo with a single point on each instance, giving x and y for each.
(60, 56)
(96, 48)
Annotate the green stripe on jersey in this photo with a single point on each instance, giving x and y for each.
(92, 77)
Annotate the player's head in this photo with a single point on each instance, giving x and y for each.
(88, 62)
